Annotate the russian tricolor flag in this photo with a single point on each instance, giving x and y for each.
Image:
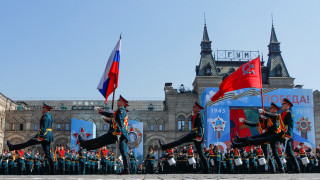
(110, 76)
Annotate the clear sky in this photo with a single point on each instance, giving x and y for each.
(59, 49)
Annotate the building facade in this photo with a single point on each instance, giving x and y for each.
(165, 120)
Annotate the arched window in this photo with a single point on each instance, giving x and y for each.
(208, 70)
(181, 122)
(190, 123)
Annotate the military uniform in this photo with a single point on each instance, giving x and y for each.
(44, 137)
(4, 163)
(237, 155)
(195, 136)
(29, 163)
(132, 157)
(104, 160)
(82, 161)
(37, 163)
(120, 123)
(217, 157)
(229, 163)
(61, 161)
(21, 162)
(68, 163)
(150, 163)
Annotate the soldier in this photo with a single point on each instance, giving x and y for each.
(36, 163)
(252, 162)
(21, 162)
(117, 133)
(44, 137)
(237, 155)
(210, 157)
(179, 163)
(245, 161)
(77, 165)
(196, 135)
(302, 154)
(150, 161)
(132, 157)
(260, 155)
(89, 162)
(112, 163)
(61, 159)
(55, 159)
(229, 161)
(4, 164)
(29, 163)
(217, 159)
(68, 162)
(82, 161)
(104, 159)
(266, 126)
(73, 162)
(190, 156)
(311, 165)
(96, 163)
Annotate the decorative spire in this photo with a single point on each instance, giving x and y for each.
(276, 65)
(207, 65)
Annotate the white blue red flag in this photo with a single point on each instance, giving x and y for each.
(110, 76)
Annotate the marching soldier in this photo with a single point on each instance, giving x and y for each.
(302, 154)
(37, 163)
(89, 162)
(29, 163)
(245, 161)
(77, 167)
(117, 133)
(44, 137)
(311, 165)
(252, 160)
(55, 159)
(196, 135)
(150, 161)
(190, 155)
(112, 163)
(210, 157)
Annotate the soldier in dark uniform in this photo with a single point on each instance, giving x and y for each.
(217, 157)
(82, 161)
(68, 162)
(252, 163)
(73, 162)
(266, 127)
(196, 135)
(132, 156)
(104, 159)
(61, 159)
(150, 161)
(37, 161)
(4, 164)
(117, 133)
(21, 162)
(229, 161)
(29, 163)
(44, 137)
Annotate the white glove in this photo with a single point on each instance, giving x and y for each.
(287, 139)
(261, 111)
(97, 108)
(262, 116)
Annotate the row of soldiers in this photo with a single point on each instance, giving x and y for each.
(235, 161)
(20, 162)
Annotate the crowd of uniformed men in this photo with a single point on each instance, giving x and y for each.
(175, 160)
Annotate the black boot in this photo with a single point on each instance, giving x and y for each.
(82, 141)
(10, 146)
(161, 145)
(125, 171)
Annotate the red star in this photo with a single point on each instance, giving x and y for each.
(81, 133)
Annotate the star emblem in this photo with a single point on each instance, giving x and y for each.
(83, 134)
(218, 124)
(303, 125)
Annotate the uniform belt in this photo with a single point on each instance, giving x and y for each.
(111, 161)
(150, 159)
(49, 129)
(229, 159)
(216, 155)
(67, 159)
(194, 129)
(29, 159)
(21, 158)
(37, 160)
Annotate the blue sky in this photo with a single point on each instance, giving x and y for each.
(58, 49)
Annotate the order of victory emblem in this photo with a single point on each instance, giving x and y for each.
(135, 137)
(218, 124)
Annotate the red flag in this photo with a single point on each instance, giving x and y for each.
(246, 76)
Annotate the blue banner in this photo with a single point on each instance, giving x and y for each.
(135, 133)
(227, 116)
(85, 129)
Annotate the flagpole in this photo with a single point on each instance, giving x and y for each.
(261, 90)
(114, 90)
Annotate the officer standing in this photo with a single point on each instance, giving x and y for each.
(4, 164)
(44, 137)
(37, 161)
(21, 162)
(82, 161)
(132, 157)
(196, 135)
(68, 162)
(61, 159)
(29, 164)
(150, 161)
